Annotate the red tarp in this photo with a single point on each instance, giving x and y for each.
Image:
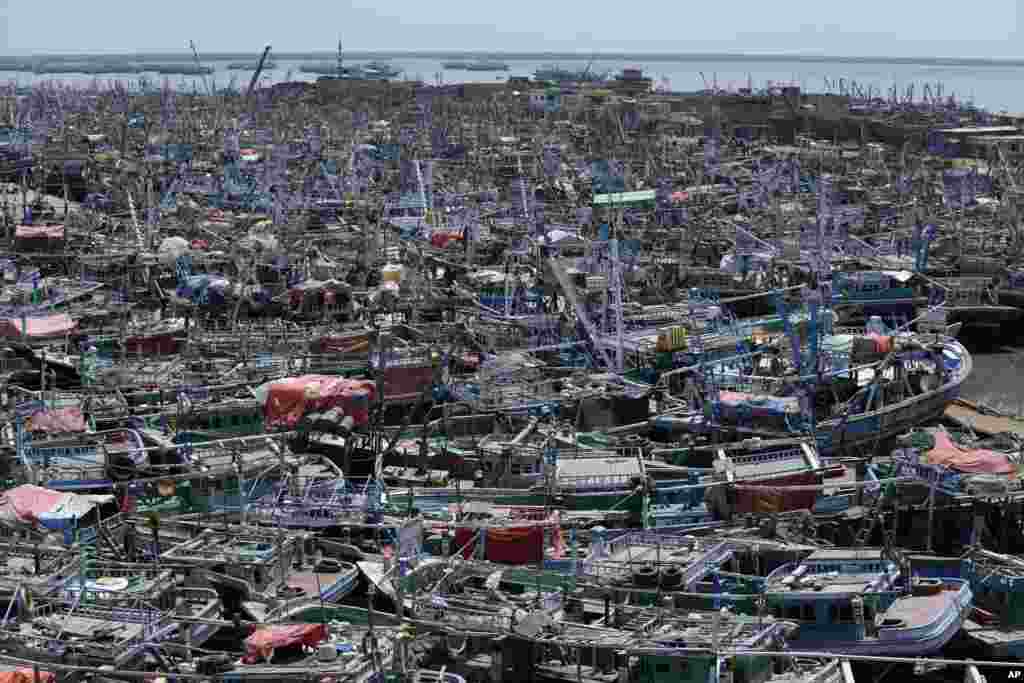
(971, 461)
(49, 326)
(38, 232)
(516, 546)
(262, 643)
(759, 500)
(441, 239)
(57, 421)
(524, 545)
(405, 380)
(290, 399)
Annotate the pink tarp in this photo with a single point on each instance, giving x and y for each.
(40, 507)
(29, 502)
(57, 421)
(289, 399)
(971, 461)
(265, 640)
(38, 232)
(759, 404)
(26, 676)
(49, 326)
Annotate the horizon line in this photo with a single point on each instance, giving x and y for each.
(524, 55)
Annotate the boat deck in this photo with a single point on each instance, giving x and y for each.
(917, 610)
(315, 583)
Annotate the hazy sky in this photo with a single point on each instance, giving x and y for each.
(860, 28)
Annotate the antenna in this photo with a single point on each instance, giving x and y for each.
(202, 74)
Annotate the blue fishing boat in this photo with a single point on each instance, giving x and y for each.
(859, 601)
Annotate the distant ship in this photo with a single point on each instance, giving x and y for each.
(250, 66)
(560, 75)
(380, 70)
(371, 71)
(476, 65)
(365, 72)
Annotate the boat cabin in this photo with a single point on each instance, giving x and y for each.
(835, 592)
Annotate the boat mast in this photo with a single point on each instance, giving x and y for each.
(340, 60)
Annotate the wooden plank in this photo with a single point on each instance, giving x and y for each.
(966, 414)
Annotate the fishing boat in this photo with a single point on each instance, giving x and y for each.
(858, 601)
(995, 621)
(752, 468)
(263, 566)
(870, 392)
(975, 302)
(123, 633)
(890, 295)
(298, 651)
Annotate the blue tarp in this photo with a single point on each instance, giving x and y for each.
(204, 289)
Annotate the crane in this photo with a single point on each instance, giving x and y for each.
(259, 70)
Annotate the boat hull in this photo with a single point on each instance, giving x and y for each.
(911, 641)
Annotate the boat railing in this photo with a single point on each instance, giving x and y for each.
(414, 357)
(149, 619)
(496, 396)
(966, 292)
(595, 481)
(431, 676)
(766, 457)
(465, 617)
(750, 384)
(153, 582)
(714, 558)
(646, 538)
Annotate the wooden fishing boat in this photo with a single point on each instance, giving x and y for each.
(884, 393)
(852, 601)
(121, 633)
(975, 302)
(890, 295)
(263, 565)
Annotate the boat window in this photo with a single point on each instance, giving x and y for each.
(846, 614)
(663, 667)
(808, 612)
(793, 612)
